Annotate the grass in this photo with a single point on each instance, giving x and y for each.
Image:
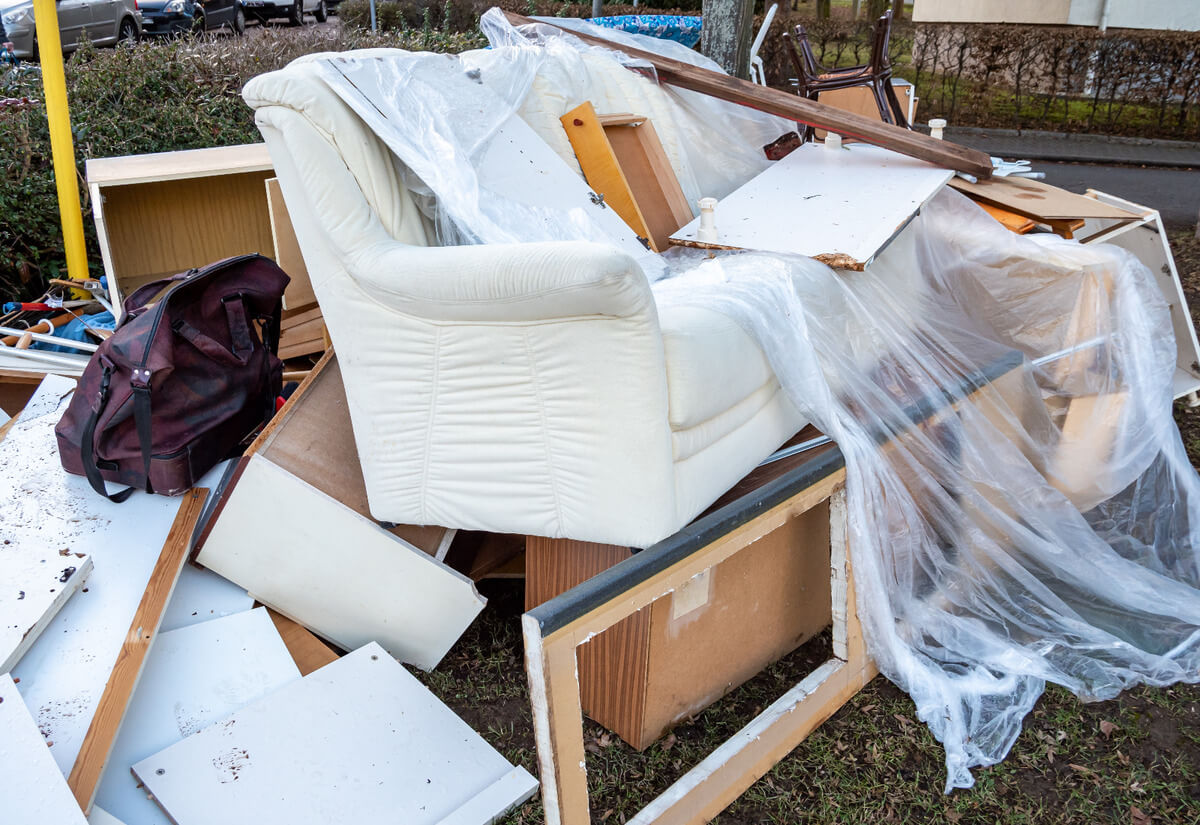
(1132, 760)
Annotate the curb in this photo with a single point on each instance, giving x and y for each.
(1068, 147)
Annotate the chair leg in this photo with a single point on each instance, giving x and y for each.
(900, 116)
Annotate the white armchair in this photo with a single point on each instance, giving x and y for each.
(528, 388)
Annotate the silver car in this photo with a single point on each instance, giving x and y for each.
(106, 22)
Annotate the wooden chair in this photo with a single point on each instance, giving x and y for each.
(812, 78)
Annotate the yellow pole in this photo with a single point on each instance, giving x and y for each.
(62, 146)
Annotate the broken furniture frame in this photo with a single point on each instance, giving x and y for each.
(553, 632)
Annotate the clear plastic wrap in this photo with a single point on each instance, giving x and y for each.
(1021, 507)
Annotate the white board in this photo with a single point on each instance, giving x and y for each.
(99, 816)
(819, 201)
(202, 595)
(35, 582)
(63, 674)
(32, 789)
(337, 573)
(194, 676)
(358, 741)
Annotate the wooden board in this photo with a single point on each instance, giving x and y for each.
(287, 250)
(715, 84)
(385, 749)
(336, 572)
(516, 165)
(189, 163)
(194, 676)
(1037, 200)
(1010, 220)
(35, 583)
(64, 672)
(840, 206)
(861, 101)
(31, 787)
(114, 702)
(307, 651)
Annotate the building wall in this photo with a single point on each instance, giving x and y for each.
(1180, 15)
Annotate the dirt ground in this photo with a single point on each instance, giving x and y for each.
(1133, 760)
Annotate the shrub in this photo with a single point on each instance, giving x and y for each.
(157, 97)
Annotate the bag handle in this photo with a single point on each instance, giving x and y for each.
(239, 334)
(87, 446)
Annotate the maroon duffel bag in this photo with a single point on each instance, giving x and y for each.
(189, 373)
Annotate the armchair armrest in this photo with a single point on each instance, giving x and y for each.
(504, 282)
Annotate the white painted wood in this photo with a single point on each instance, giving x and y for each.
(337, 573)
(99, 816)
(35, 583)
(194, 676)
(819, 201)
(1147, 240)
(374, 747)
(202, 595)
(839, 581)
(32, 789)
(63, 674)
(515, 165)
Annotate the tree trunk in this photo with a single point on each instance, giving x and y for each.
(725, 36)
(823, 9)
(875, 9)
(897, 10)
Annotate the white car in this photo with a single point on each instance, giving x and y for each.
(106, 23)
(264, 10)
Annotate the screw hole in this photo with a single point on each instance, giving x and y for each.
(160, 771)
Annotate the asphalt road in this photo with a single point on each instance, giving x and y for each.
(1175, 193)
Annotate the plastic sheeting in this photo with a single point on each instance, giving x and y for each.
(1021, 506)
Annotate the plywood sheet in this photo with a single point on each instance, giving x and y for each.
(385, 749)
(840, 206)
(32, 790)
(35, 583)
(188, 163)
(1039, 201)
(64, 672)
(339, 574)
(195, 676)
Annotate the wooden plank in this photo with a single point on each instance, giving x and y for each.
(1039, 201)
(307, 651)
(195, 676)
(299, 315)
(840, 206)
(35, 583)
(287, 250)
(1010, 220)
(776, 102)
(114, 702)
(187, 163)
(385, 748)
(601, 168)
(31, 786)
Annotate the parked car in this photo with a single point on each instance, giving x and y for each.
(106, 23)
(264, 10)
(186, 16)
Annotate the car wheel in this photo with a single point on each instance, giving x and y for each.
(127, 35)
(296, 14)
(239, 21)
(321, 14)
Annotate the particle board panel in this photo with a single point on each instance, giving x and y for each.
(385, 748)
(122, 681)
(287, 250)
(1040, 201)
(99, 816)
(840, 206)
(64, 672)
(31, 786)
(339, 574)
(307, 651)
(159, 228)
(202, 595)
(35, 583)
(651, 178)
(194, 676)
(190, 163)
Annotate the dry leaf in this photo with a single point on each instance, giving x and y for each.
(953, 816)
(1107, 727)
(1137, 816)
(1079, 768)
(604, 741)
(669, 742)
